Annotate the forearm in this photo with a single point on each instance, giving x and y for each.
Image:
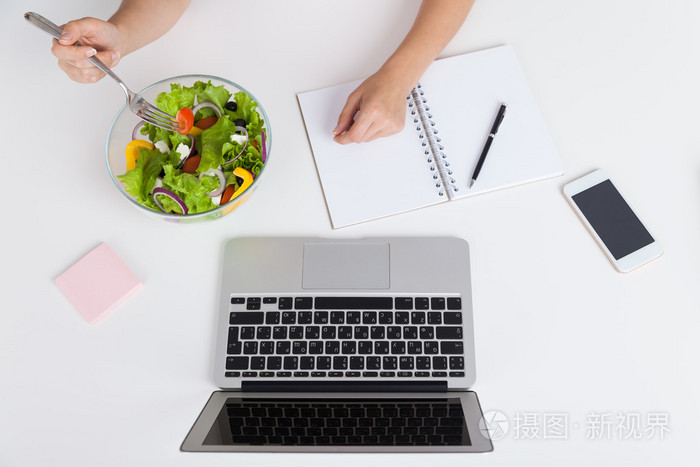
(142, 21)
(436, 24)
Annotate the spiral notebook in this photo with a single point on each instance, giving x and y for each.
(449, 115)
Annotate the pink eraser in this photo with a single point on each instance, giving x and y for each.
(97, 283)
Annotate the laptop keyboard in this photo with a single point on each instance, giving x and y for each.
(351, 337)
(324, 422)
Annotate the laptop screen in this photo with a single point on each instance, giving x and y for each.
(317, 422)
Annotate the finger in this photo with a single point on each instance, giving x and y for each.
(347, 115)
(357, 130)
(81, 75)
(71, 52)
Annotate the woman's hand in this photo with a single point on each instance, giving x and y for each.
(377, 108)
(97, 38)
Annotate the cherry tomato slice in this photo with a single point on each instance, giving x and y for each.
(226, 195)
(206, 122)
(185, 118)
(191, 164)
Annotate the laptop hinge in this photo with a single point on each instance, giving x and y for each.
(344, 386)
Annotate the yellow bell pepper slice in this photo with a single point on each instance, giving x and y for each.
(132, 151)
(247, 177)
(195, 131)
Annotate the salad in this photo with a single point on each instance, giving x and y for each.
(211, 160)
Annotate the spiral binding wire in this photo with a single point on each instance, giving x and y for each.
(437, 159)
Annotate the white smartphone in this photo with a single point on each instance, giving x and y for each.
(617, 229)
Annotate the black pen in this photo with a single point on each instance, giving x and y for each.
(489, 140)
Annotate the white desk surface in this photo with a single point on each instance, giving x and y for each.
(560, 335)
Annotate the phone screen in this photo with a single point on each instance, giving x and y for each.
(613, 220)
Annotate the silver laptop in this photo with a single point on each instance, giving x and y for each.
(334, 345)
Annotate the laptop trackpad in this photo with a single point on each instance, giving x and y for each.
(346, 266)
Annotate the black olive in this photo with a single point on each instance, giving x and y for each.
(231, 105)
(239, 122)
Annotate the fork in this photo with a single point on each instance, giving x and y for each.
(137, 104)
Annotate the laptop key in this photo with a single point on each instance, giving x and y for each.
(267, 347)
(406, 363)
(370, 374)
(237, 363)
(267, 374)
(289, 317)
(257, 363)
(323, 363)
(418, 317)
(364, 347)
(246, 317)
(269, 299)
(304, 317)
(253, 303)
(301, 374)
(274, 363)
(456, 374)
(410, 332)
(250, 348)
(437, 303)
(427, 332)
(431, 347)
(373, 363)
(272, 317)
(336, 374)
(348, 347)
(284, 374)
(456, 363)
(439, 363)
(381, 347)
(291, 363)
(401, 317)
(344, 332)
(250, 374)
(332, 347)
(237, 300)
(317, 374)
(389, 363)
(328, 332)
(299, 347)
(377, 332)
(369, 317)
(454, 303)
(296, 332)
(386, 317)
(303, 303)
(448, 332)
(440, 374)
(285, 303)
(247, 332)
(393, 332)
(404, 374)
(434, 317)
(232, 374)
(353, 317)
(422, 303)
(316, 347)
(340, 363)
(423, 363)
(398, 347)
(403, 303)
(452, 348)
(337, 317)
(283, 347)
(279, 332)
(357, 363)
(415, 347)
(321, 317)
(306, 363)
(313, 332)
(421, 374)
(264, 332)
(453, 317)
(387, 374)
(361, 332)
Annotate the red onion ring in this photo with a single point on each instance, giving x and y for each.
(135, 133)
(207, 104)
(169, 194)
(245, 132)
(222, 181)
(264, 148)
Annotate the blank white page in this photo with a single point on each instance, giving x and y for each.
(365, 181)
(464, 94)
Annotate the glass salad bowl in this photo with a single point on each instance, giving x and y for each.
(218, 179)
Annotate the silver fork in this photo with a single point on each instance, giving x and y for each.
(137, 104)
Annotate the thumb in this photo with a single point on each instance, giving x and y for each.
(74, 30)
(347, 115)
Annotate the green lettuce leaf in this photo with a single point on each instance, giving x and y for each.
(176, 99)
(212, 143)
